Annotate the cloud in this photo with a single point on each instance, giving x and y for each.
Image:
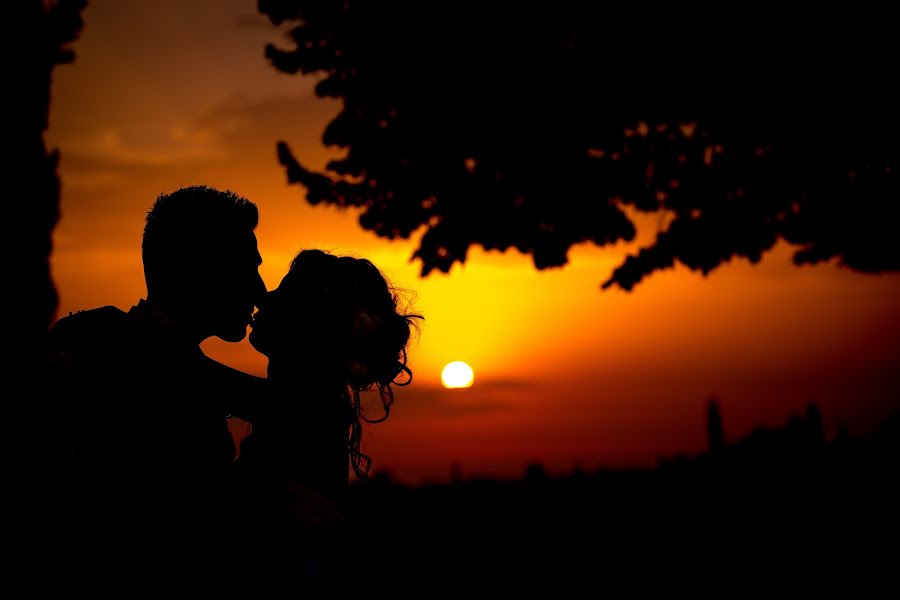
(300, 120)
(238, 127)
(259, 22)
(253, 21)
(92, 180)
(437, 401)
(509, 383)
(177, 145)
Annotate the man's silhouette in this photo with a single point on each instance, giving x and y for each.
(139, 411)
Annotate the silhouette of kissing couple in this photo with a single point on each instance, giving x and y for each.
(139, 437)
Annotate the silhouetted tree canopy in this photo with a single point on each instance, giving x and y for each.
(534, 126)
(42, 31)
(39, 31)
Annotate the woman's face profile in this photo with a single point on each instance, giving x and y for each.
(286, 319)
(269, 322)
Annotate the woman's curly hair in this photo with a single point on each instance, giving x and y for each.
(355, 325)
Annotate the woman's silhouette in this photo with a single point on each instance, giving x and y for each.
(331, 330)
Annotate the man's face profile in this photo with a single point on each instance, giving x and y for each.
(231, 286)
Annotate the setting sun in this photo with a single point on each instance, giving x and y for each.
(457, 375)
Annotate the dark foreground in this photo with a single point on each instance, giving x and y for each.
(782, 505)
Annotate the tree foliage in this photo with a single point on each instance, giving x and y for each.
(43, 31)
(39, 32)
(535, 126)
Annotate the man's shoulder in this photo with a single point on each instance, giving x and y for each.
(88, 341)
(103, 313)
(94, 324)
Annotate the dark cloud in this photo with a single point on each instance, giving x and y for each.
(438, 401)
(510, 383)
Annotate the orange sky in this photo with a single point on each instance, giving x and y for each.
(168, 94)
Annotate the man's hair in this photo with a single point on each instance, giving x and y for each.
(188, 226)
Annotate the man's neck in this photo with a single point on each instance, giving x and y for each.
(156, 314)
